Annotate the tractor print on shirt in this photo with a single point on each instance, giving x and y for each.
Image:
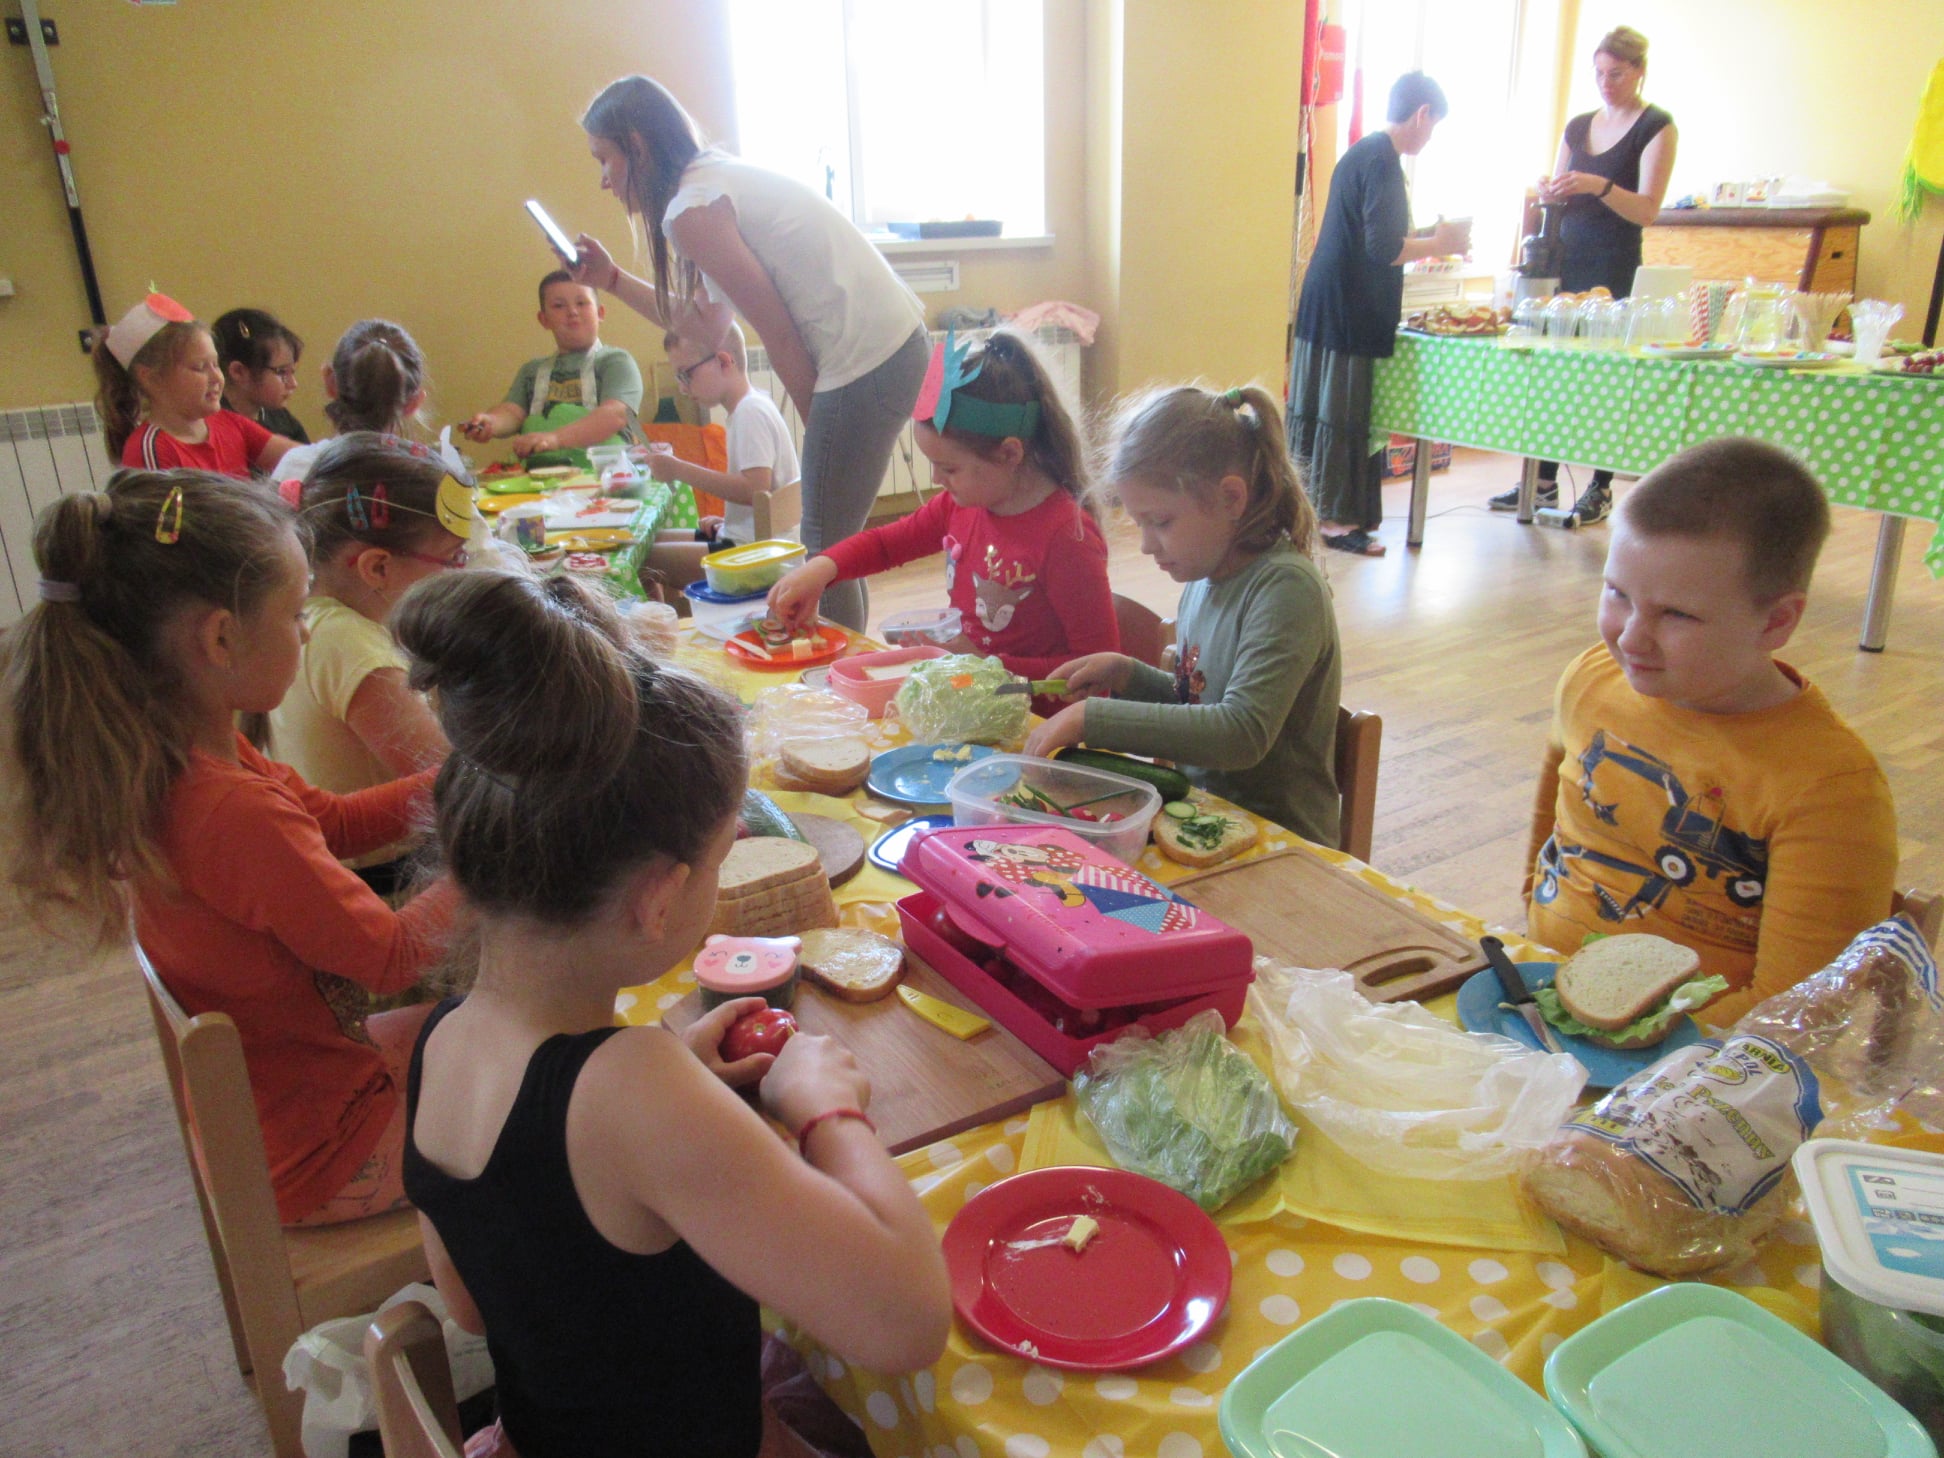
(1000, 591)
(1693, 839)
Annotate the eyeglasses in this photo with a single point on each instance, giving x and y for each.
(683, 376)
(286, 373)
(456, 560)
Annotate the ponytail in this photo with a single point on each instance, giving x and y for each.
(377, 368)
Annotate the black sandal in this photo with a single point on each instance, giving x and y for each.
(1357, 542)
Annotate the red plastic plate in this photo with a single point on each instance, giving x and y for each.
(832, 641)
(1150, 1282)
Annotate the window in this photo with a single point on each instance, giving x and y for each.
(898, 111)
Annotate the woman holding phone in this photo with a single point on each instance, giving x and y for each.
(846, 337)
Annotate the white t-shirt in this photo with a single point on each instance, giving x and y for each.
(852, 311)
(758, 437)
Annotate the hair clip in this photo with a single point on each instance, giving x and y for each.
(380, 506)
(243, 328)
(168, 528)
(354, 507)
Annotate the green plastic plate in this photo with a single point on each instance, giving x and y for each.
(1693, 1368)
(1379, 1379)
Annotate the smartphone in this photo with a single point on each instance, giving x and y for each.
(562, 244)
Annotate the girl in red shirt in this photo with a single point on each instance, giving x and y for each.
(171, 603)
(1025, 563)
(161, 397)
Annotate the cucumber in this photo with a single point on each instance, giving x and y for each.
(764, 816)
(1172, 783)
(1178, 810)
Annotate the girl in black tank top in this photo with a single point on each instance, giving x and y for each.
(596, 1199)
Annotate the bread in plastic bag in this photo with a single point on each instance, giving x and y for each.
(1186, 1107)
(951, 700)
(795, 713)
(1684, 1167)
(1401, 1089)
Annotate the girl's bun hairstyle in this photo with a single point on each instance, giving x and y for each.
(575, 757)
(1623, 43)
(378, 368)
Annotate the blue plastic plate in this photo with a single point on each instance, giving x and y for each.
(1479, 1012)
(887, 853)
(1693, 1368)
(911, 776)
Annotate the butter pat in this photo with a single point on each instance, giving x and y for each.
(1083, 1229)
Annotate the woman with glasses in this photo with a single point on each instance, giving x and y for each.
(259, 355)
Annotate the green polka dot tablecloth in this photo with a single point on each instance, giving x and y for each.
(663, 506)
(1874, 441)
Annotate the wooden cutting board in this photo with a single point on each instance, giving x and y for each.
(1304, 911)
(925, 1084)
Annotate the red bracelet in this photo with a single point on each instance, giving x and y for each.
(803, 1134)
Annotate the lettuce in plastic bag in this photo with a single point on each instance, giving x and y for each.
(951, 699)
(1187, 1108)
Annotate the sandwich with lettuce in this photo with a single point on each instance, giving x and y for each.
(1627, 991)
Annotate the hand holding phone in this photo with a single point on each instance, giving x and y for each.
(560, 242)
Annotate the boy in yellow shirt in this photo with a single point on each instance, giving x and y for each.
(1711, 795)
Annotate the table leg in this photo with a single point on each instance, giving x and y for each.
(1883, 583)
(1420, 492)
(1528, 488)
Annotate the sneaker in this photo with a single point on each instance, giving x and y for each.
(1594, 503)
(1546, 495)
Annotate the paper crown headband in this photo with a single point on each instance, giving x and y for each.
(940, 403)
(139, 325)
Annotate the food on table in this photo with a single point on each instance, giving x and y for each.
(954, 699)
(930, 627)
(770, 886)
(824, 766)
(888, 672)
(1027, 797)
(1080, 1233)
(882, 813)
(763, 1031)
(730, 967)
(1627, 991)
(592, 563)
(1927, 363)
(851, 963)
(1170, 784)
(956, 937)
(1202, 837)
(945, 754)
(761, 815)
(551, 475)
(1460, 319)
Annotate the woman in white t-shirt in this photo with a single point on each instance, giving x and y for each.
(846, 337)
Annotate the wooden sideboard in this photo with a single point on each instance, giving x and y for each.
(1813, 249)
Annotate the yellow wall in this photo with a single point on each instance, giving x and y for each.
(331, 162)
(1800, 87)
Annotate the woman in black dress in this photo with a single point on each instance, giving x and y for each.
(1612, 173)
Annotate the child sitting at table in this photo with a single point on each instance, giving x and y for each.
(1715, 798)
(761, 454)
(1250, 710)
(585, 393)
(598, 1200)
(259, 357)
(160, 397)
(378, 515)
(169, 603)
(375, 381)
(1025, 563)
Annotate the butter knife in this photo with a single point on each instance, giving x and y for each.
(1518, 996)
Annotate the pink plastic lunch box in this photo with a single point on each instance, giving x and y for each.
(1063, 945)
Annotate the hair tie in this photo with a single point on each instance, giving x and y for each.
(52, 590)
(1234, 398)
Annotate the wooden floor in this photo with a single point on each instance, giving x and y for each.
(111, 1330)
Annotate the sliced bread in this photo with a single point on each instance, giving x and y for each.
(762, 863)
(828, 766)
(1207, 838)
(1616, 980)
(851, 963)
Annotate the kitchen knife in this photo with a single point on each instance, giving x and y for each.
(1053, 686)
(1518, 996)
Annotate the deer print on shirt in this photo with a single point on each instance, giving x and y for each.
(1000, 591)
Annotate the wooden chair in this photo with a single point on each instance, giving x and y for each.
(1926, 908)
(412, 1379)
(1359, 736)
(778, 512)
(276, 1282)
(1142, 632)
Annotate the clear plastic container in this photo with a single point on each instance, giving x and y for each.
(755, 568)
(719, 615)
(1003, 787)
(928, 627)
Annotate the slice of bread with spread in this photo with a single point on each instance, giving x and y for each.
(851, 963)
(1195, 835)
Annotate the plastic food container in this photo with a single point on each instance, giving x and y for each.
(1694, 1368)
(730, 967)
(986, 794)
(852, 678)
(1374, 1378)
(739, 571)
(1879, 1217)
(935, 627)
(720, 615)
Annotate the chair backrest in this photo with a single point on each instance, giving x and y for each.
(1359, 737)
(412, 1380)
(1926, 908)
(1141, 631)
(778, 511)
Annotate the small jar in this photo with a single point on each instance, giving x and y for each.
(731, 967)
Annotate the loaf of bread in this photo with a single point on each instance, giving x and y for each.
(824, 766)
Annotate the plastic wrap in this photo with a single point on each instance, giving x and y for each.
(1186, 1108)
(1685, 1167)
(1401, 1089)
(795, 713)
(951, 700)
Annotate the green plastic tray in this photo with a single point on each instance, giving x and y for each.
(1379, 1379)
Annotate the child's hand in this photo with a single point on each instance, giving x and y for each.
(794, 600)
(704, 1040)
(538, 443)
(479, 428)
(811, 1075)
(1065, 728)
(665, 466)
(1098, 674)
(597, 268)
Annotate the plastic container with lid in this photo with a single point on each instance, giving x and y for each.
(731, 967)
(755, 568)
(934, 627)
(721, 615)
(1062, 944)
(990, 791)
(870, 679)
(1879, 1217)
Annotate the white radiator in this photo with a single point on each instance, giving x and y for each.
(45, 452)
(909, 471)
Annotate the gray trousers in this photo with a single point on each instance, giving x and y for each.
(846, 447)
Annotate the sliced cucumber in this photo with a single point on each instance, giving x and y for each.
(1178, 810)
